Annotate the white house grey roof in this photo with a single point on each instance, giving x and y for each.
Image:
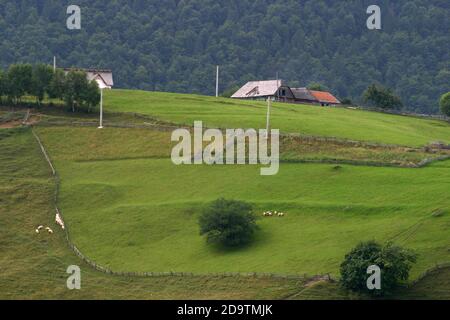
(254, 89)
(98, 75)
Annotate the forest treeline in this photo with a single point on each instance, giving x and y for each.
(174, 45)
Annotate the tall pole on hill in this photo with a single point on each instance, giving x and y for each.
(278, 87)
(269, 105)
(101, 109)
(217, 82)
(54, 64)
(102, 85)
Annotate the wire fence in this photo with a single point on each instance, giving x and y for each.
(421, 164)
(437, 267)
(397, 112)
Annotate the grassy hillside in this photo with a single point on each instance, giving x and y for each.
(130, 208)
(34, 266)
(309, 120)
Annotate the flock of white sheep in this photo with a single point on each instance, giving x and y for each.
(275, 213)
(59, 221)
(38, 230)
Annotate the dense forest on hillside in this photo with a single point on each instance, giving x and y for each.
(174, 45)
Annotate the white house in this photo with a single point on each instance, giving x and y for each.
(104, 78)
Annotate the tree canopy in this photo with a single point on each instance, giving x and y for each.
(394, 262)
(228, 222)
(174, 45)
(445, 104)
(41, 81)
(382, 97)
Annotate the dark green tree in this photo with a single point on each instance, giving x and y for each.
(42, 77)
(2, 86)
(347, 102)
(445, 104)
(228, 223)
(395, 263)
(229, 92)
(57, 85)
(75, 87)
(382, 97)
(19, 81)
(317, 87)
(91, 96)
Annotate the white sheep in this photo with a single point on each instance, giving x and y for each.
(37, 231)
(40, 228)
(281, 214)
(59, 221)
(50, 231)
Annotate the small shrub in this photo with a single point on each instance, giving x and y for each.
(437, 213)
(227, 222)
(317, 87)
(382, 97)
(347, 102)
(229, 92)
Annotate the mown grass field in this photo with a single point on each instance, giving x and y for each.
(34, 266)
(131, 209)
(331, 122)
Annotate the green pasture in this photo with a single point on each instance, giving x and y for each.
(289, 118)
(133, 210)
(34, 266)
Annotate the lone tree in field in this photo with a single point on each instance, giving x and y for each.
(445, 104)
(382, 97)
(227, 222)
(395, 263)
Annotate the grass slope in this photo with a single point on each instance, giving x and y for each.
(131, 209)
(309, 120)
(34, 266)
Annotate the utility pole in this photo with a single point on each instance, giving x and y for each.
(217, 82)
(101, 109)
(269, 105)
(54, 64)
(278, 87)
(101, 85)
